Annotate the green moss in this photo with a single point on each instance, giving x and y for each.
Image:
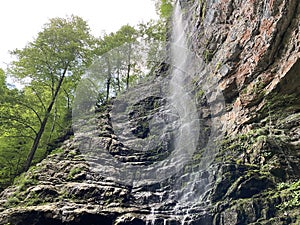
(74, 171)
(262, 138)
(290, 192)
(25, 180)
(12, 201)
(34, 199)
(203, 12)
(57, 151)
(199, 94)
(207, 55)
(197, 156)
(276, 102)
(240, 161)
(72, 153)
(218, 66)
(22, 182)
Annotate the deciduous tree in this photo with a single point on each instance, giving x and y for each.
(53, 63)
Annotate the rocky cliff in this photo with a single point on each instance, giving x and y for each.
(244, 168)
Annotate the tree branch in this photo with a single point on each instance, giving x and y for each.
(20, 136)
(39, 98)
(19, 121)
(29, 107)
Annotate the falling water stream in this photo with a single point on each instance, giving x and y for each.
(186, 143)
(185, 66)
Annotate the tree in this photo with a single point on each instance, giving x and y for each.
(14, 131)
(117, 59)
(154, 35)
(164, 8)
(126, 37)
(54, 63)
(2, 82)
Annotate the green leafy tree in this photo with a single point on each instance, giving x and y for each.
(15, 131)
(127, 36)
(154, 35)
(3, 87)
(122, 57)
(117, 52)
(164, 8)
(53, 63)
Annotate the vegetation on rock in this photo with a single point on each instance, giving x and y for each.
(251, 48)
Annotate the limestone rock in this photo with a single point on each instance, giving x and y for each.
(250, 49)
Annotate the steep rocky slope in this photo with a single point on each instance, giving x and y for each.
(250, 49)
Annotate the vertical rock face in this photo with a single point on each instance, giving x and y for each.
(251, 51)
(253, 46)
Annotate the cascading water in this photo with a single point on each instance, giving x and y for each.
(182, 63)
(150, 219)
(185, 68)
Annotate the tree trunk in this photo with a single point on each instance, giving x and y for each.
(108, 79)
(128, 67)
(118, 78)
(44, 123)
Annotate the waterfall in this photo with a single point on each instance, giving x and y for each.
(186, 66)
(179, 97)
(181, 61)
(150, 219)
(178, 37)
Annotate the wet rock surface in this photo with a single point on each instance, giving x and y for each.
(252, 49)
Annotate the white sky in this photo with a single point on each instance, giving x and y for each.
(21, 20)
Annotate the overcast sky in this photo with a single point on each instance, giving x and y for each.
(21, 20)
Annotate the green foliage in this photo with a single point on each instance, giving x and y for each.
(165, 8)
(24, 181)
(50, 68)
(153, 31)
(15, 130)
(203, 12)
(292, 192)
(113, 71)
(74, 171)
(160, 28)
(37, 115)
(54, 63)
(121, 61)
(3, 87)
